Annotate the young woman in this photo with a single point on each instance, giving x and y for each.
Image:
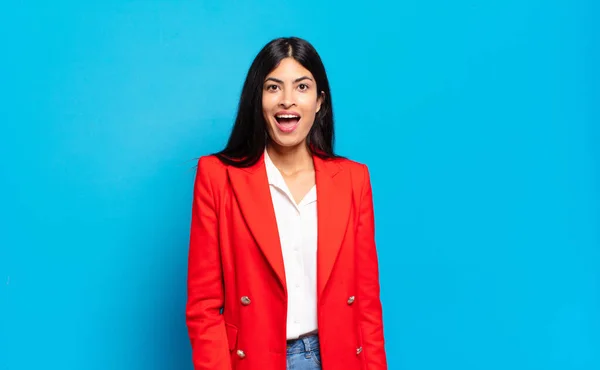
(283, 270)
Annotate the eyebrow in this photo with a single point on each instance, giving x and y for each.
(295, 81)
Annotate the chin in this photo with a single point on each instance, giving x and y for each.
(287, 142)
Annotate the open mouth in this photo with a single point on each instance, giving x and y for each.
(287, 122)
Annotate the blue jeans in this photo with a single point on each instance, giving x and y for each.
(304, 354)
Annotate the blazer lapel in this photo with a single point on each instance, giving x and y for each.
(251, 189)
(334, 195)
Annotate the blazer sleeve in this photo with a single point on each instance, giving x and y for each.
(206, 327)
(368, 299)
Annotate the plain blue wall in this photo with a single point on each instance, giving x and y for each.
(478, 119)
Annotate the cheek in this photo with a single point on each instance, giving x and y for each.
(309, 104)
(310, 110)
(268, 102)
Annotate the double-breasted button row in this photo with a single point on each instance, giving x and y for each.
(245, 300)
(242, 354)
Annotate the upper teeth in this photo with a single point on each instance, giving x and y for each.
(286, 116)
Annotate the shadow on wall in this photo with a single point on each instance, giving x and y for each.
(162, 241)
(171, 341)
(168, 345)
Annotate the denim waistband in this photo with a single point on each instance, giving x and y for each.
(304, 344)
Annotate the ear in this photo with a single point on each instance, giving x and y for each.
(320, 100)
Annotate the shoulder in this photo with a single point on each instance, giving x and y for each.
(211, 169)
(359, 176)
(354, 167)
(210, 162)
(358, 171)
(350, 164)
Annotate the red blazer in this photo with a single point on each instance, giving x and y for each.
(237, 297)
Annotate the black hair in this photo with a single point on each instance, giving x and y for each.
(249, 134)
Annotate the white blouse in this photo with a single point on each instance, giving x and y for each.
(297, 225)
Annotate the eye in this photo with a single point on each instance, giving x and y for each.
(272, 87)
(303, 87)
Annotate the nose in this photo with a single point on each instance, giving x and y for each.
(287, 99)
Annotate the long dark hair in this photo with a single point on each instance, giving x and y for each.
(249, 134)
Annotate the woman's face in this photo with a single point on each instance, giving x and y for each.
(290, 102)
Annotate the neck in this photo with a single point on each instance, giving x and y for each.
(290, 160)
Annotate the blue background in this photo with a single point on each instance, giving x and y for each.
(478, 120)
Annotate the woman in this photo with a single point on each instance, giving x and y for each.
(283, 269)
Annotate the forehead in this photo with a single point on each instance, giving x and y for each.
(289, 68)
